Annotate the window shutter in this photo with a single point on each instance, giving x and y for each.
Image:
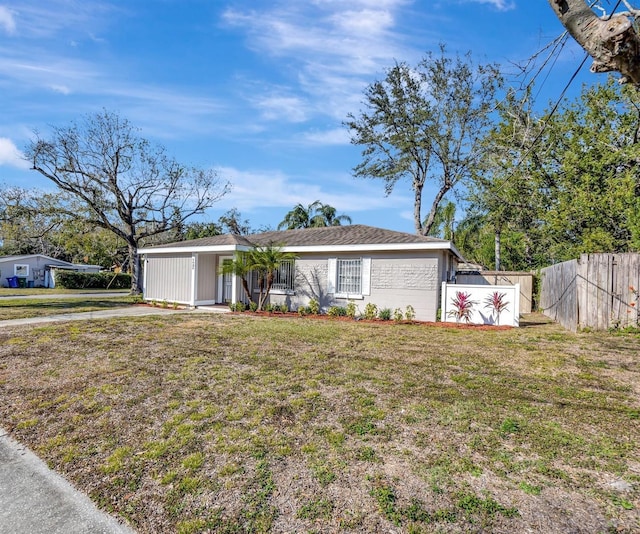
(332, 266)
(366, 276)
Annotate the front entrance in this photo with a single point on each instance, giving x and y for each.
(225, 283)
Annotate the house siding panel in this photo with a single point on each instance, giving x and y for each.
(207, 278)
(169, 278)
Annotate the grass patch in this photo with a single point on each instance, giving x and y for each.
(242, 424)
(38, 307)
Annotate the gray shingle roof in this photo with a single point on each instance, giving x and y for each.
(355, 234)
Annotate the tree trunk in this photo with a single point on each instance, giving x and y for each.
(613, 44)
(497, 245)
(134, 266)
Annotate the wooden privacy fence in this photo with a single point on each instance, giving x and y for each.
(598, 291)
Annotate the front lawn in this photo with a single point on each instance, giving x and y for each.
(37, 306)
(231, 423)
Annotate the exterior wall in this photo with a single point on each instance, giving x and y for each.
(168, 277)
(397, 280)
(207, 279)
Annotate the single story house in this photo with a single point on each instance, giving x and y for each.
(37, 270)
(333, 265)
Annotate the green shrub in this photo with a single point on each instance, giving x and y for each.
(314, 307)
(370, 311)
(78, 280)
(385, 314)
(410, 313)
(270, 308)
(253, 306)
(302, 311)
(337, 311)
(397, 315)
(351, 309)
(238, 306)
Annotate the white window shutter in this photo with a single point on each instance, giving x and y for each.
(366, 276)
(332, 267)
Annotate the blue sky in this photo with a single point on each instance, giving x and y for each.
(255, 89)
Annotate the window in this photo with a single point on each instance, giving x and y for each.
(284, 276)
(349, 276)
(21, 270)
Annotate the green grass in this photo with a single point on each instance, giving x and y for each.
(38, 307)
(243, 424)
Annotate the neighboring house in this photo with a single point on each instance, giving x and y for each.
(36, 270)
(333, 265)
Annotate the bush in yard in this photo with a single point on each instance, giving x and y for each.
(370, 311)
(314, 307)
(397, 315)
(385, 314)
(337, 311)
(106, 280)
(462, 306)
(253, 306)
(410, 313)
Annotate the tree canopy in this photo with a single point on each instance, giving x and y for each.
(120, 181)
(424, 124)
(315, 215)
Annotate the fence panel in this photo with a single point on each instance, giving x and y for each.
(559, 293)
(599, 291)
(505, 278)
(481, 311)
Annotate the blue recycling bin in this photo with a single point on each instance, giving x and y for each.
(12, 281)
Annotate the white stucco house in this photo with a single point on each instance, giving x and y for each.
(37, 270)
(333, 265)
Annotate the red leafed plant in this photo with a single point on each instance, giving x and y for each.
(496, 301)
(462, 306)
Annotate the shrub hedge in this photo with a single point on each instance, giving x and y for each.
(78, 280)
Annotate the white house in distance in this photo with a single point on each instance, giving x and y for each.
(36, 270)
(333, 265)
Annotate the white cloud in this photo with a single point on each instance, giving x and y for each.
(501, 5)
(336, 136)
(10, 155)
(252, 190)
(282, 107)
(330, 49)
(7, 21)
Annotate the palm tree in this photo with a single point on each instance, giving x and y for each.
(326, 216)
(266, 260)
(443, 221)
(315, 215)
(240, 266)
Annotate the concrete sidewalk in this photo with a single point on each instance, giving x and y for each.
(36, 500)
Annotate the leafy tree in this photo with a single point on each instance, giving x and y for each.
(197, 230)
(125, 184)
(504, 193)
(425, 124)
(315, 215)
(588, 171)
(232, 223)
